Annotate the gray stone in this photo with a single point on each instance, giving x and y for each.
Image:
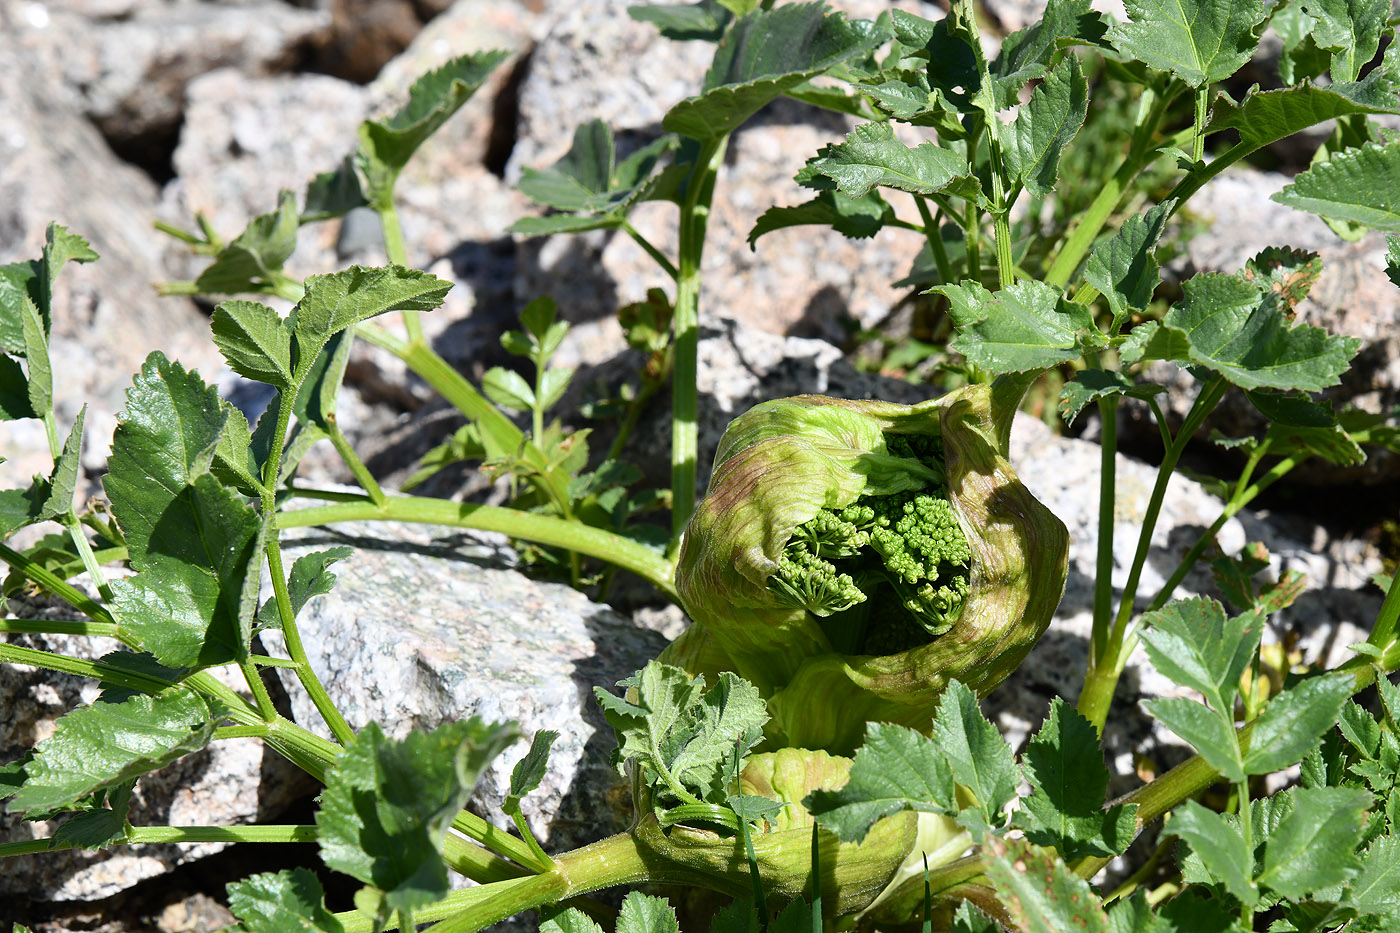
(54, 166)
(429, 625)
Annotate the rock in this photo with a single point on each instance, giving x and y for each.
(55, 166)
(1352, 297)
(128, 72)
(227, 783)
(427, 625)
(363, 35)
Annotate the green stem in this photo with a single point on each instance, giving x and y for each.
(661, 260)
(352, 460)
(1103, 570)
(48, 580)
(695, 215)
(935, 241)
(1102, 677)
(543, 529)
(297, 651)
(145, 835)
(1006, 272)
(84, 549)
(1198, 141)
(397, 254)
(495, 838)
(255, 731)
(1383, 632)
(972, 238)
(51, 627)
(540, 861)
(1237, 502)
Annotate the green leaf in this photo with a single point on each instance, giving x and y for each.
(980, 758)
(969, 919)
(1229, 327)
(107, 744)
(1218, 843)
(387, 145)
(255, 340)
(857, 218)
(334, 193)
(529, 771)
(896, 769)
(1069, 782)
(63, 481)
(1191, 642)
(572, 920)
(1324, 820)
(763, 55)
(1289, 273)
(256, 256)
(508, 389)
(1044, 127)
(1294, 721)
(1090, 385)
(1024, 55)
(578, 180)
(1199, 41)
(1151, 341)
(310, 577)
(1040, 893)
(100, 826)
(871, 156)
(1376, 890)
(686, 740)
(643, 913)
(36, 358)
(704, 21)
(282, 902)
(1124, 269)
(1349, 29)
(1264, 117)
(388, 804)
(234, 461)
(1205, 729)
(14, 387)
(193, 601)
(1356, 185)
(343, 299)
(1028, 325)
(553, 384)
(1392, 259)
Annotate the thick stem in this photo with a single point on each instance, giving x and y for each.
(52, 627)
(695, 215)
(1103, 570)
(543, 529)
(935, 241)
(1383, 632)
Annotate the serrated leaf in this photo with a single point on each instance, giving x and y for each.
(1040, 893)
(680, 734)
(1359, 185)
(1288, 273)
(310, 577)
(234, 462)
(763, 55)
(1294, 721)
(1124, 269)
(1151, 341)
(578, 180)
(1376, 889)
(969, 919)
(1028, 325)
(1204, 729)
(334, 193)
(644, 913)
(1199, 41)
(388, 804)
(319, 392)
(553, 384)
(704, 21)
(1024, 55)
(342, 299)
(282, 902)
(255, 340)
(1349, 29)
(1264, 117)
(1069, 781)
(63, 481)
(740, 916)
(1192, 642)
(1044, 127)
(871, 156)
(14, 389)
(106, 744)
(256, 255)
(1218, 843)
(980, 758)
(1236, 331)
(20, 507)
(1324, 820)
(101, 826)
(192, 603)
(530, 770)
(1090, 385)
(856, 218)
(39, 386)
(896, 769)
(387, 145)
(572, 920)
(508, 388)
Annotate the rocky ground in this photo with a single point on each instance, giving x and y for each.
(116, 113)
